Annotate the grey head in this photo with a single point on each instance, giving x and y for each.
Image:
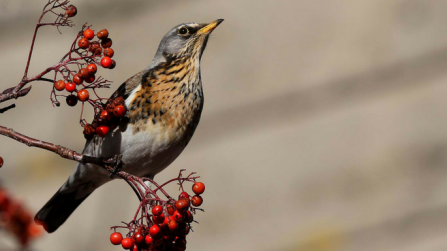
(184, 40)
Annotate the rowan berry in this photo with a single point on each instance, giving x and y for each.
(116, 238)
(71, 100)
(89, 131)
(89, 34)
(106, 62)
(198, 188)
(159, 219)
(127, 243)
(59, 85)
(189, 217)
(183, 195)
(90, 78)
(181, 205)
(173, 225)
(154, 230)
(149, 240)
(91, 68)
(103, 34)
(135, 247)
(170, 209)
(118, 101)
(196, 200)
(70, 87)
(113, 65)
(106, 43)
(77, 79)
(83, 43)
(83, 73)
(1, 161)
(178, 216)
(93, 47)
(71, 11)
(83, 95)
(105, 115)
(98, 52)
(138, 237)
(109, 52)
(102, 130)
(119, 111)
(157, 210)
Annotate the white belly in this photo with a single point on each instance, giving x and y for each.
(145, 153)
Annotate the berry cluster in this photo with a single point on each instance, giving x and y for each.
(108, 119)
(77, 84)
(162, 225)
(16, 219)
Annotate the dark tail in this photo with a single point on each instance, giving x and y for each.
(58, 209)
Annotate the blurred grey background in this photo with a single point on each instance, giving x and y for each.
(324, 125)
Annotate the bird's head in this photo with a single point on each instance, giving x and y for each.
(184, 40)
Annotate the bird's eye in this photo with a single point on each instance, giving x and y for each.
(183, 31)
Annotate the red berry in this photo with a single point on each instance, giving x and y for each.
(116, 238)
(189, 217)
(90, 78)
(105, 115)
(83, 73)
(59, 85)
(77, 79)
(109, 52)
(102, 130)
(149, 240)
(157, 210)
(167, 220)
(83, 43)
(71, 100)
(71, 11)
(95, 48)
(196, 200)
(89, 131)
(119, 111)
(178, 216)
(183, 195)
(159, 219)
(106, 43)
(154, 230)
(83, 95)
(198, 188)
(170, 209)
(138, 237)
(181, 205)
(127, 243)
(91, 68)
(118, 101)
(1, 161)
(70, 87)
(89, 34)
(173, 225)
(103, 34)
(135, 247)
(113, 65)
(106, 62)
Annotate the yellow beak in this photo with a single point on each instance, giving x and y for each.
(210, 27)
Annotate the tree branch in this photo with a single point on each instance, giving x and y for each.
(62, 151)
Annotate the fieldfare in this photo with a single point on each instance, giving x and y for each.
(164, 103)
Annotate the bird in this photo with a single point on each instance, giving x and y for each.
(164, 104)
